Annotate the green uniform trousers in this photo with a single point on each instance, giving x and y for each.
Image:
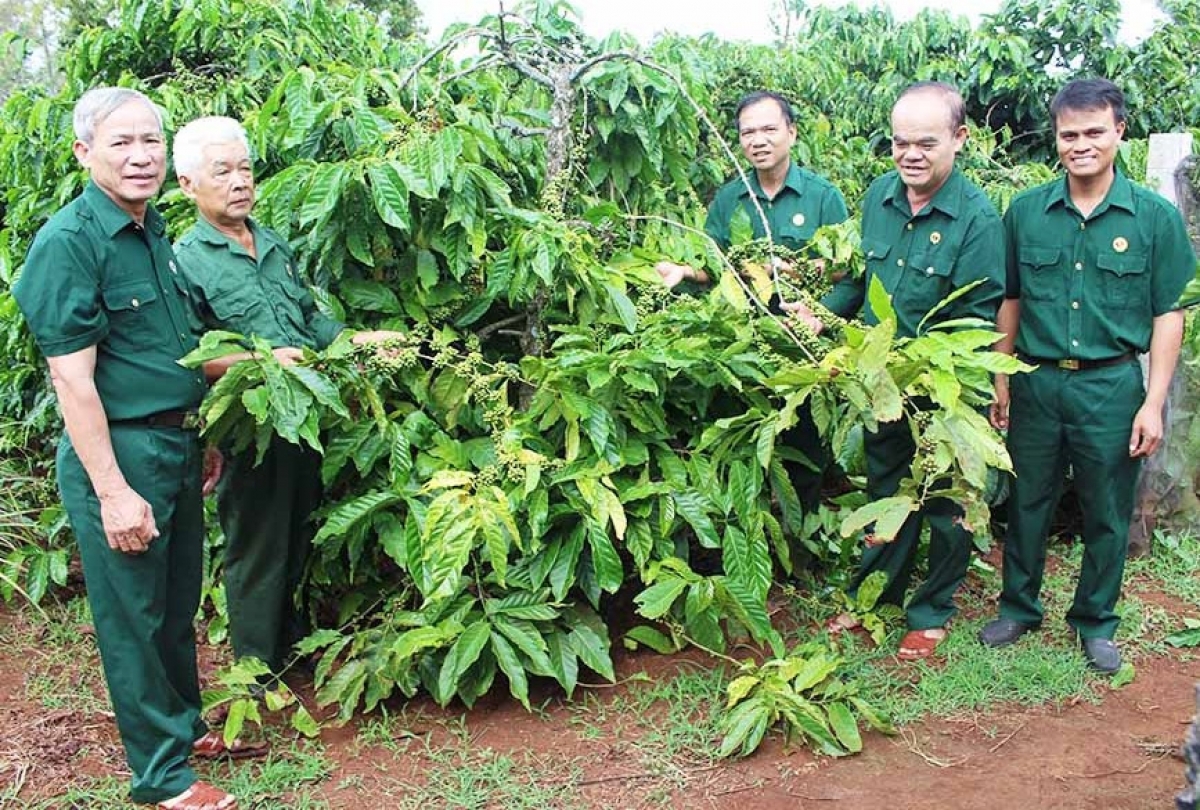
(890, 452)
(264, 513)
(143, 605)
(804, 437)
(1082, 418)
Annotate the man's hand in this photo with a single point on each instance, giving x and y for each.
(1147, 433)
(214, 463)
(128, 521)
(672, 273)
(288, 355)
(803, 314)
(374, 336)
(998, 412)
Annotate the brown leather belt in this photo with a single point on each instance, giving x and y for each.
(183, 420)
(1074, 364)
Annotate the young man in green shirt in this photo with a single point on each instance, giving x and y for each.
(245, 279)
(794, 202)
(927, 231)
(1095, 267)
(103, 296)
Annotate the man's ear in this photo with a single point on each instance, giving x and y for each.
(187, 186)
(82, 152)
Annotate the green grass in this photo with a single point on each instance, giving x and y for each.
(1173, 565)
(467, 776)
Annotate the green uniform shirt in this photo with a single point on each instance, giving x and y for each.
(1090, 287)
(261, 297)
(94, 277)
(804, 203)
(955, 240)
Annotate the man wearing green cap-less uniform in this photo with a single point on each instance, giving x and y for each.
(795, 203)
(246, 281)
(1096, 265)
(927, 231)
(104, 298)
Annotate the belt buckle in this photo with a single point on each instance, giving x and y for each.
(1070, 364)
(191, 421)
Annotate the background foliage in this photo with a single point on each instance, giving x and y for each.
(556, 439)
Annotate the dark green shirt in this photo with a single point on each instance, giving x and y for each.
(94, 277)
(804, 203)
(262, 297)
(1090, 287)
(955, 240)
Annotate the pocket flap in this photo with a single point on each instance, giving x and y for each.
(129, 296)
(1123, 264)
(1039, 256)
(875, 248)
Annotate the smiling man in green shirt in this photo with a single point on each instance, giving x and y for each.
(794, 202)
(104, 298)
(1095, 267)
(927, 232)
(245, 279)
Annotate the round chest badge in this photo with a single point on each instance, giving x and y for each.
(1120, 244)
(935, 238)
(798, 220)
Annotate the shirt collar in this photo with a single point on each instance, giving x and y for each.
(948, 198)
(1120, 194)
(208, 233)
(793, 180)
(113, 218)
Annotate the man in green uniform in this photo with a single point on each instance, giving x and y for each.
(1095, 267)
(103, 296)
(246, 281)
(794, 202)
(927, 231)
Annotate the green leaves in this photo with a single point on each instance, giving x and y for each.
(806, 694)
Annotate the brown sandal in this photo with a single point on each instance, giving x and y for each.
(212, 746)
(918, 645)
(200, 796)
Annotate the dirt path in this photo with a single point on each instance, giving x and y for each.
(1114, 755)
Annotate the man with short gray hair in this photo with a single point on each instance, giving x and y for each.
(245, 279)
(109, 308)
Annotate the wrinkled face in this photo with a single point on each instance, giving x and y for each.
(127, 157)
(223, 185)
(765, 135)
(1087, 141)
(924, 142)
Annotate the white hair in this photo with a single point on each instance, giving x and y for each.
(190, 141)
(99, 103)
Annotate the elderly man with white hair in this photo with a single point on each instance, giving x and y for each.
(246, 280)
(104, 298)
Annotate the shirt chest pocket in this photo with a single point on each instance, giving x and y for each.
(927, 282)
(235, 310)
(1041, 277)
(876, 253)
(133, 312)
(1124, 281)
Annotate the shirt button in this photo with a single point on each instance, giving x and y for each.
(929, 271)
(899, 262)
(136, 303)
(1074, 305)
(1078, 265)
(1074, 342)
(909, 226)
(171, 264)
(1082, 226)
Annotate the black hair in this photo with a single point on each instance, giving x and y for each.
(1088, 94)
(762, 95)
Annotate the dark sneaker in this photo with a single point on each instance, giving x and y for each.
(1002, 632)
(1102, 654)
